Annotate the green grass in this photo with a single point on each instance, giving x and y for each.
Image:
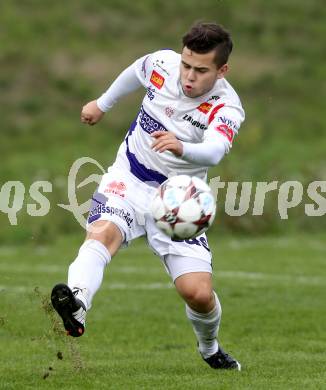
(56, 56)
(273, 296)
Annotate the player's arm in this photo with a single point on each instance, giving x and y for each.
(223, 126)
(128, 81)
(217, 140)
(207, 153)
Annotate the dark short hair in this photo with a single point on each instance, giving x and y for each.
(205, 37)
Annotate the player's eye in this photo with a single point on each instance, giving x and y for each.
(186, 66)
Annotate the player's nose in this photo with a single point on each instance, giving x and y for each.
(191, 76)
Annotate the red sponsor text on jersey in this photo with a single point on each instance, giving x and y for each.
(226, 131)
(205, 107)
(157, 79)
(115, 188)
(214, 112)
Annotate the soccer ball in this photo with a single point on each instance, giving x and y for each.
(183, 207)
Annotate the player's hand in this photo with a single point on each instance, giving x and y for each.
(165, 140)
(91, 114)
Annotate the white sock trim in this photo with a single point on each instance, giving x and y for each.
(97, 246)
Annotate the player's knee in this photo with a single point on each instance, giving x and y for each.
(198, 296)
(203, 298)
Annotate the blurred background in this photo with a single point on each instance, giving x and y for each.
(56, 56)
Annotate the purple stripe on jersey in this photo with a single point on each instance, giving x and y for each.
(98, 202)
(94, 218)
(148, 123)
(141, 172)
(136, 168)
(132, 126)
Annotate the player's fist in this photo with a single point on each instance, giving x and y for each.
(91, 114)
(166, 140)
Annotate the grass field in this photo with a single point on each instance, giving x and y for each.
(273, 297)
(55, 56)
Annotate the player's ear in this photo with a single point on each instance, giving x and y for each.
(221, 72)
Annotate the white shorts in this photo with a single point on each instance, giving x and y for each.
(124, 200)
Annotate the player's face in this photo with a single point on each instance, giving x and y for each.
(199, 72)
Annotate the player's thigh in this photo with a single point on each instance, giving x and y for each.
(112, 218)
(189, 263)
(108, 233)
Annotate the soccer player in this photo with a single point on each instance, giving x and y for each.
(186, 123)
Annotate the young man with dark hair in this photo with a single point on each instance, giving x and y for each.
(187, 123)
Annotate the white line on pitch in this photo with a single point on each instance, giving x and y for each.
(289, 279)
(53, 269)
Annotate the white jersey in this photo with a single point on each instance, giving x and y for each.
(166, 107)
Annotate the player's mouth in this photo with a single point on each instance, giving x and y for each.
(188, 89)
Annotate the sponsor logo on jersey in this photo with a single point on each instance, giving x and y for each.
(148, 123)
(115, 188)
(169, 111)
(214, 97)
(228, 122)
(214, 112)
(98, 207)
(157, 80)
(195, 123)
(150, 93)
(226, 131)
(205, 107)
